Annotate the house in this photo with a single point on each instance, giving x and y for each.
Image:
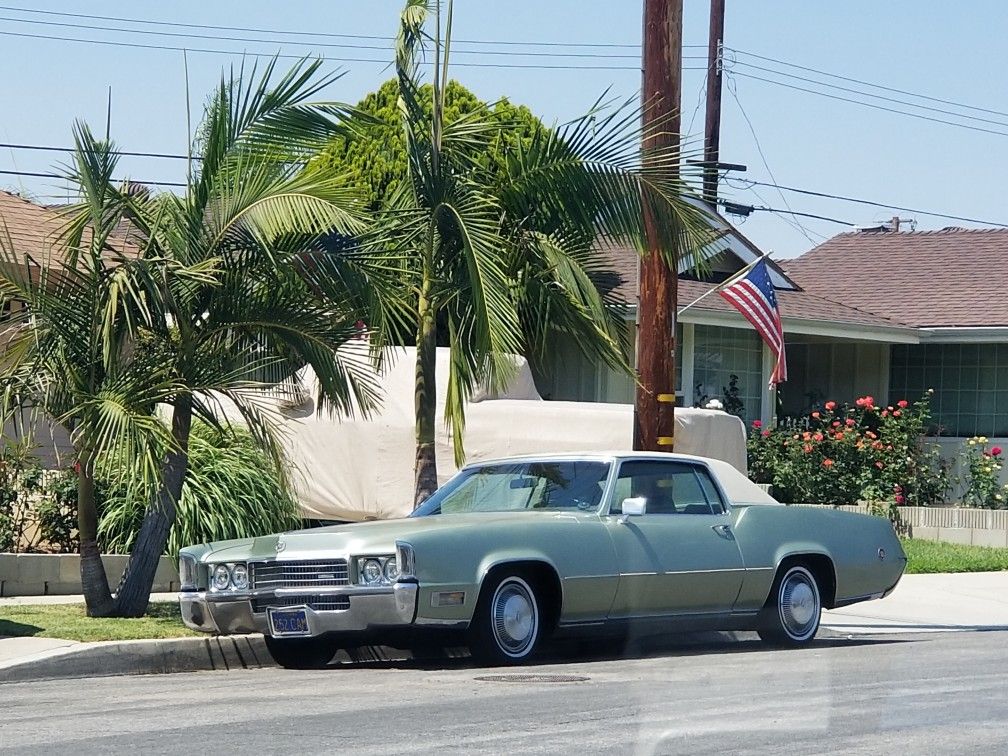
(876, 312)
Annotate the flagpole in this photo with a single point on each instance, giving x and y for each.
(727, 282)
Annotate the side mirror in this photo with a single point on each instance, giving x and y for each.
(634, 506)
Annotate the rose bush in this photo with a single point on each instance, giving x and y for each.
(842, 454)
(981, 471)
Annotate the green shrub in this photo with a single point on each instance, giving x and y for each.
(843, 454)
(232, 490)
(981, 474)
(20, 487)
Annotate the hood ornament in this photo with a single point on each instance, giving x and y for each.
(281, 544)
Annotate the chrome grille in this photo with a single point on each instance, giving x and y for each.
(313, 574)
(318, 603)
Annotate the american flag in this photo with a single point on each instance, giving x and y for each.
(753, 295)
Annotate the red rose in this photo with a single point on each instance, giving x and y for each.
(899, 498)
(995, 451)
(827, 462)
(850, 422)
(836, 423)
(817, 437)
(902, 403)
(815, 415)
(896, 413)
(830, 406)
(767, 433)
(757, 424)
(807, 448)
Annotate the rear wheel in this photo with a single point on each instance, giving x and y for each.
(507, 624)
(792, 612)
(301, 653)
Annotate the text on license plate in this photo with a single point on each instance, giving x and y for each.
(288, 622)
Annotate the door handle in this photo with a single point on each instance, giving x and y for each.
(724, 531)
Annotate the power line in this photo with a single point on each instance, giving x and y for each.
(759, 148)
(34, 174)
(347, 45)
(464, 64)
(871, 84)
(869, 94)
(826, 195)
(867, 104)
(300, 33)
(125, 153)
(789, 211)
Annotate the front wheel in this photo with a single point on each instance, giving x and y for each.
(301, 653)
(507, 624)
(792, 612)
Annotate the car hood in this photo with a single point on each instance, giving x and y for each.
(373, 537)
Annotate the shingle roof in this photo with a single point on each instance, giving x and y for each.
(34, 230)
(952, 277)
(802, 305)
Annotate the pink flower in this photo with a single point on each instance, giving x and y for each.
(767, 433)
(836, 423)
(899, 498)
(850, 422)
(896, 413)
(879, 464)
(817, 437)
(815, 415)
(830, 406)
(757, 424)
(827, 462)
(807, 448)
(902, 403)
(995, 451)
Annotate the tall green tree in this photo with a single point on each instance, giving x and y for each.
(374, 159)
(498, 258)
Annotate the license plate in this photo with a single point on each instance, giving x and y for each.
(288, 622)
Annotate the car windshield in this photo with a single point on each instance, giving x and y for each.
(573, 485)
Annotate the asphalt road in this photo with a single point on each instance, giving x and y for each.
(941, 693)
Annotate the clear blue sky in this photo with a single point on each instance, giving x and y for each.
(950, 51)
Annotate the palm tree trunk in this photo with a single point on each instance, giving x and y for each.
(134, 591)
(94, 582)
(426, 396)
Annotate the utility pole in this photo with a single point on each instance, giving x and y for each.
(712, 124)
(654, 404)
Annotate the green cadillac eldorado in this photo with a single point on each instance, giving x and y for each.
(513, 551)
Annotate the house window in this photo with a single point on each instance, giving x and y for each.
(970, 383)
(720, 353)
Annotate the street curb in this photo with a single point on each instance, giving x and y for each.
(143, 657)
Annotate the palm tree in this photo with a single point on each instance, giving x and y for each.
(72, 351)
(282, 289)
(496, 263)
(249, 273)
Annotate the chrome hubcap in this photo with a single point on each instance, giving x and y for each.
(799, 605)
(515, 617)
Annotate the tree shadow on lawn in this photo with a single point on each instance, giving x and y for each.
(12, 629)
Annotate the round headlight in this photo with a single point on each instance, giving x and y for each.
(239, 577)
(391, 570)
(221, 577)
(371, 571)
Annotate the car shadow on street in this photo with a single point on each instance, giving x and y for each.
(591, 650)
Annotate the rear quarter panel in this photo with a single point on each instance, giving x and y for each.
(769, 534)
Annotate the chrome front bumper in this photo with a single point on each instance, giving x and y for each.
(370, 609)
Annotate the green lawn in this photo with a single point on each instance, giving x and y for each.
(935, 556)
(69, 621)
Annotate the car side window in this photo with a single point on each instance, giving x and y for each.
(668, 487)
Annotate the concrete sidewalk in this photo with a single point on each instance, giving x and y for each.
(930, 603)
(920, 604)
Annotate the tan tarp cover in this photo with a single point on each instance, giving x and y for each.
(354, 469)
